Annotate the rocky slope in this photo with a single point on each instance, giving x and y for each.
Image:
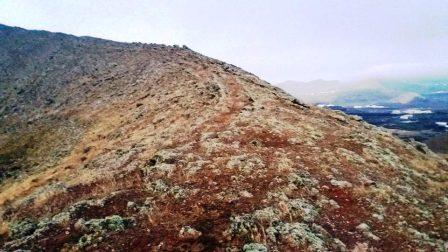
(109, 145)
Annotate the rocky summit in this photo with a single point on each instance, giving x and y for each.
(144, 147)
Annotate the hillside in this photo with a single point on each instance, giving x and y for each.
(439, 144)
(108, 145)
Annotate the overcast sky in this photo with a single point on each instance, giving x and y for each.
(277, 40)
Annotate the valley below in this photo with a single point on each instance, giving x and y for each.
(423, 121)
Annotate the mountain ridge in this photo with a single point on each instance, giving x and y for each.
(108, 145)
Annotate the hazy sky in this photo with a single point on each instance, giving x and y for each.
(277, 40)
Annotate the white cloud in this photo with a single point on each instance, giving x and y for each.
(406, 70)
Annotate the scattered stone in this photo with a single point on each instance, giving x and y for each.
(79, 224)
(333, 204)
(341, 183)
(339, 245)
(61, 217)
(189, 233)
(178, 192)
(254, 247)
(361, 247)
(109, 223)
(378, 216)
(365, 229)
(368, 182)
(86, 240)
(22, 229)
(246, 194)
(294, 141)
(131, 204)
(302, 178)
(245, 163)
(314, 191)
(302, 209)
(297, 235)
(209, 135)
(158, 186)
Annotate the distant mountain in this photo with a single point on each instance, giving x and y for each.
(312, 91)
(423, 92)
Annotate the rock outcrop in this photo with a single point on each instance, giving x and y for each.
(107, 145)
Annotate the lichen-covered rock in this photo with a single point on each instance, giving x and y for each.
(110, 223)
(254, 247)
(95, 230)
(189, 233)
(244, 163)
(297, 235)
(22, 229)
(301, 208)
(302, 178)
(341, 183)
(365, 229)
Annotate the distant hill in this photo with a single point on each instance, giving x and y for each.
(424, 92)
(312, 91)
